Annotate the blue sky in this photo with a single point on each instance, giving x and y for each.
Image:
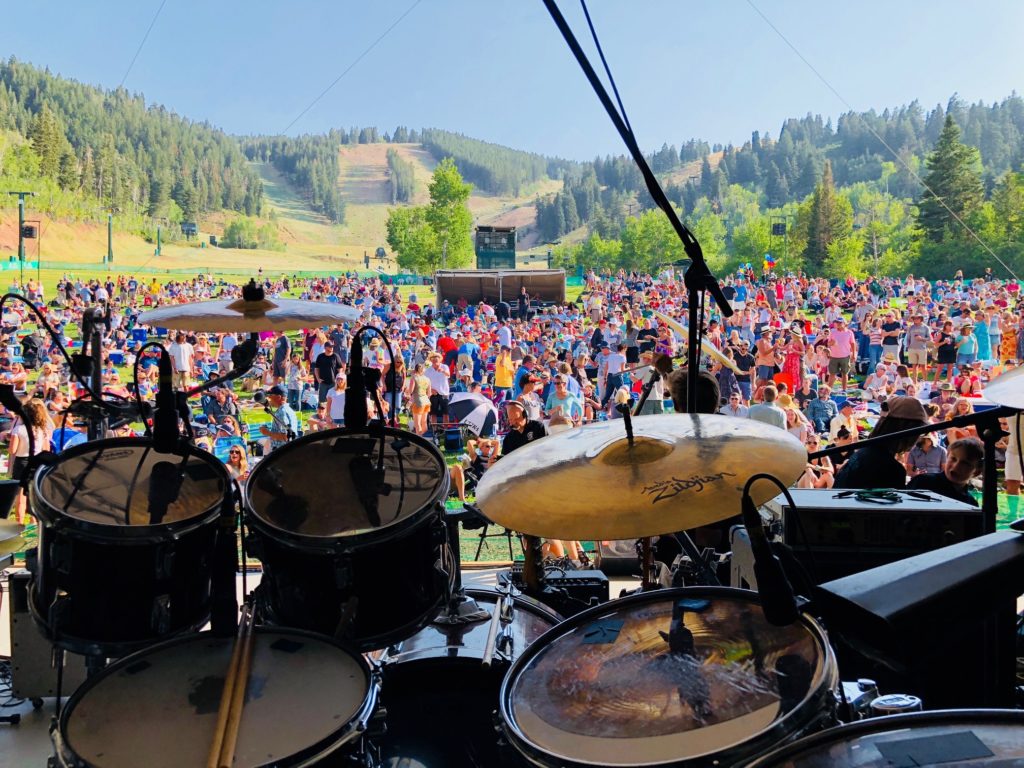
(498, 69)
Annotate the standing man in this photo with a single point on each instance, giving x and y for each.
(892, 328)
(840, 353)
(613, 365)
(439, 377)
(765, 357)
(325, 370)
(182, 357)
(745, 363)
(285, 424)
(918, 336)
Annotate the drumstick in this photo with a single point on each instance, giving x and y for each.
(241, 682)
(492, 634)
(225, 698)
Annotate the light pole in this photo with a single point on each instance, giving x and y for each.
(21, 226)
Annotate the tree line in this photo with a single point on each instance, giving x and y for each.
(97, 148)
(403, 178)
(310, 163)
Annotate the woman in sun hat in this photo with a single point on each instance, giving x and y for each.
(876, 466)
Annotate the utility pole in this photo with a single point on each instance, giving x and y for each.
(21, 227)
(110, 237)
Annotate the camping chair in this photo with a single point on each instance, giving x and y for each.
(481, 522)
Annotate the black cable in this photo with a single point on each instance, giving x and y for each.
(41, 319)
(600, 52)
(135, 382)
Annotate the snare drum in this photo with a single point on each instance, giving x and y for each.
(308, 700)
(440, 699)
(347, 553)
(673, 677)
(954, 738)
(123, 560)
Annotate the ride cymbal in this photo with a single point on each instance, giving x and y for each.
(1007, 389)
(683, 471)
(249, 316)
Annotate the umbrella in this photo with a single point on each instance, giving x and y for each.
(475, 411)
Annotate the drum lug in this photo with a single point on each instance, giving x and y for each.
(253, 546)
(160, 618)
(439, 532)
(60, 555)
(59, 608)
(343, 574)
(164, 566)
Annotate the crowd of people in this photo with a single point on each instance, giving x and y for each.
(818, 358)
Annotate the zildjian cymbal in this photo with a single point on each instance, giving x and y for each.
(682, 471)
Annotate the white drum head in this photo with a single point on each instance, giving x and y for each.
(160, 708)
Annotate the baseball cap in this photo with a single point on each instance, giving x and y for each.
(847, 404)
(276, 390)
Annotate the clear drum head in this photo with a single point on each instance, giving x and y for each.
(125, 483)
(664, 678)
(159, 707)
(326, 486)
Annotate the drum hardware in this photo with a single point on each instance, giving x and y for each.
(648, 488)
(854, 699)
(566, 591)
(498, 638)
(895, 704)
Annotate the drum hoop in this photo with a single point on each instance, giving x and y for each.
(345, 542)
(48, 514)
(816, 700)
(330, 743)
(875, 725)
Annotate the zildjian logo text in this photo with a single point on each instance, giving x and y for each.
(666, 489)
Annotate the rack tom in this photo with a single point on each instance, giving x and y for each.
(350, 529)
(126, 544)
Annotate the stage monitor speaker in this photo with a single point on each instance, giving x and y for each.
(833, 534)
(944, 622)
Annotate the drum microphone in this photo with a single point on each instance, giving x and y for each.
(355, 393)
(165, 480)
(165, 420)
(777, 598)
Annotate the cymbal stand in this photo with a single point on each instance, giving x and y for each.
(93, 321)
(648, 576)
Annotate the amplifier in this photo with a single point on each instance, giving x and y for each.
(567, 592)
(835, 535)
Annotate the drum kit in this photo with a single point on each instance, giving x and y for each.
(362, 647)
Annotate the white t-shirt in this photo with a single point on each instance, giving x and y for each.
(42, 444)
(337, 398)
(439, 379)
(182, 356)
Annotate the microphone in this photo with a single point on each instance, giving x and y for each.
(777, 598)
(165, 421)
(243, 355)
(165, 481)
(355, 393)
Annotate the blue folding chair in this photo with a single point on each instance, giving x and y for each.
(222, 445)
(140, 334)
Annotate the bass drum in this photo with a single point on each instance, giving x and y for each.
(126, 544)
(346, 551)
(951, 738)
(674, 677)
(440, 699)
(308, 703)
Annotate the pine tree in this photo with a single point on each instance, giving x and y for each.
(830, 218)
(952, 184)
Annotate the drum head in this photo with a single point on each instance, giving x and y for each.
(312, 487)
(664, 677)
(954, 738)
(159, 707)
(110, 483)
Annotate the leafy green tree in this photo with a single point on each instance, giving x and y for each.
(240, 233)
(449, 216)
(830, 219)
(412, 239)
(1008, 201)
(845, 257)
(953, 185)
(648, 240)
